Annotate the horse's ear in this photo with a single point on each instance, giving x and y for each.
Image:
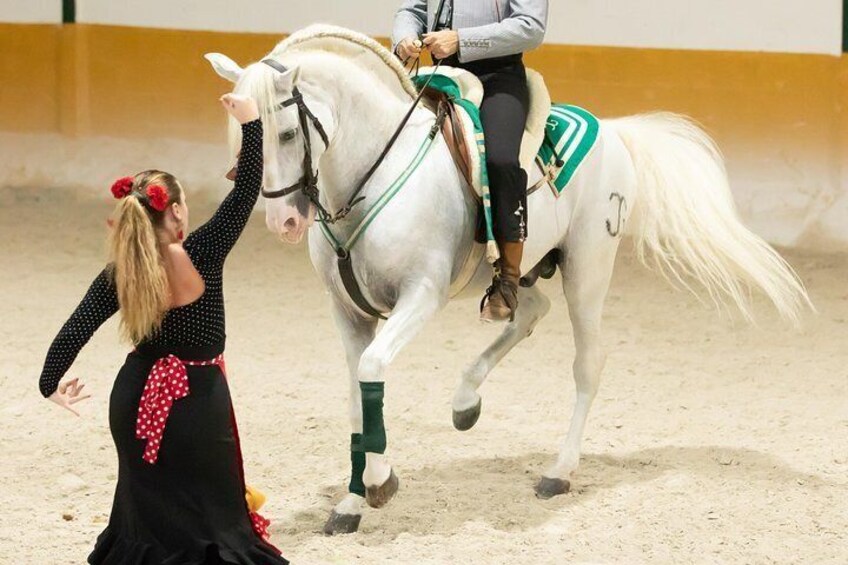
(224, 66)
(287, 80)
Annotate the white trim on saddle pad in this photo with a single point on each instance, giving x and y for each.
(469, 85)
(537, 118)
(534, 130)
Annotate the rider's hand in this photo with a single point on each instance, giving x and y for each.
(409, 48)
(68, 394)
(242, 108)
(442, 44)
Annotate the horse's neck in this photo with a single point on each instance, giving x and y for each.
(367, 114)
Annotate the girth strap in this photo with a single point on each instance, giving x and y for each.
(352, 287)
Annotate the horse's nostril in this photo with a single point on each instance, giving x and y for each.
(290, 224)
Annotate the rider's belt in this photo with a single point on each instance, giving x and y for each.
(486, 66)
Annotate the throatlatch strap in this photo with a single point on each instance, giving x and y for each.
(357, 465)
(373, 429)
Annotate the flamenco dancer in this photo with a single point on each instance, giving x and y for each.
(180, 496)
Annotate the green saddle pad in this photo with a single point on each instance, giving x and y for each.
(451, 88)
(570, 134)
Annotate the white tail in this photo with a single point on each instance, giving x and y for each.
(685, 221)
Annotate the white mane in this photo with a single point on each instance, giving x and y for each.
(343, 41)
(258, 79)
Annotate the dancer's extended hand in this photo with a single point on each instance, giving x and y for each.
(242, 108)
(68, 394)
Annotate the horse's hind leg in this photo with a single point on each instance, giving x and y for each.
(532, 307)
(356, 333)
(586, 276)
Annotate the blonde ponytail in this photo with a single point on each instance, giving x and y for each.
(137, 265)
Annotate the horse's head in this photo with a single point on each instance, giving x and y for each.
(296, 127)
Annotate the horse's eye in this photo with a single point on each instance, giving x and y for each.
(288, 135)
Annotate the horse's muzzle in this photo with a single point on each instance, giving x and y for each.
(287, 221)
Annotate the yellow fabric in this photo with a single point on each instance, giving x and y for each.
(255, 498)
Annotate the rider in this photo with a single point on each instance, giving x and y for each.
(487, 38)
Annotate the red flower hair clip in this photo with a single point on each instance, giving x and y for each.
(122, 187)
(157, 197)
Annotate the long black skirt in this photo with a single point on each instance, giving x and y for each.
(189, 507)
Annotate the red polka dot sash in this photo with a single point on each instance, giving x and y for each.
(260, 525)
(166, 383)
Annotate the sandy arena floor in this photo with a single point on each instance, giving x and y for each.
(709, 442)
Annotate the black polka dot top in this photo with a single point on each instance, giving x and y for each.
(200, 323)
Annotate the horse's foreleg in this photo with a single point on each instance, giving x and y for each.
(532, 307)
(357, 333)
(414, 308)
(586, 278)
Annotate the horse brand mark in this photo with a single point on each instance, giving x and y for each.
(622, 203)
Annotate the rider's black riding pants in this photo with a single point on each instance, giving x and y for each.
(506, 102)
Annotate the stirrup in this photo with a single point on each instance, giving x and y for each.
(487, 296)
(497, 286)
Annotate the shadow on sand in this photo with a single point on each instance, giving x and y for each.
(439, 499)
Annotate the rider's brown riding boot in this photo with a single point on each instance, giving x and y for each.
(501, 298)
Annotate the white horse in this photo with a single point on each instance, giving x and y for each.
(411, 258)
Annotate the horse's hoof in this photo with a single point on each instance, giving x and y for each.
(342, 523)
(377, 497)
(548, 488)
(465, 419)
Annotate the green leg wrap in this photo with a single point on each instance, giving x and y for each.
(357, 465)
(373, 430)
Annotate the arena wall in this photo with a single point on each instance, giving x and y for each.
(813, 26)
(31, 11)
(85, 103)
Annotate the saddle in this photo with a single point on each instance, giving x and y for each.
(459, 130)
(556, 141)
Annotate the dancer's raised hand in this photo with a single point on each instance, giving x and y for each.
(68, 394)
(242, 108)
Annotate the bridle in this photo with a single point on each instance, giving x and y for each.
(308, 183)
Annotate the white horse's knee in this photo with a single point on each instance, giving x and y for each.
(371, 367)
